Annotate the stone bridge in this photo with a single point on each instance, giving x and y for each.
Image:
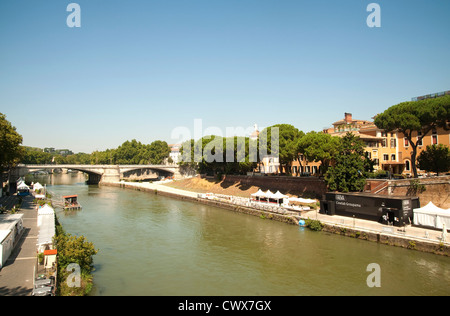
(97, 173)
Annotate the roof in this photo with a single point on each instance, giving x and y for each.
(70, 196)
(7, 223)
(343, 121)
(50, 252)
(356, 133)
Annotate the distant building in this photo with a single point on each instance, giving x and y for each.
(62, 152)
(255, 134)
(431, 96)
(175, 153)
(390, 151)
(436, 136)
(381, 147)
(269, 164)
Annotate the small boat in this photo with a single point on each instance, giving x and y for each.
(71, 202)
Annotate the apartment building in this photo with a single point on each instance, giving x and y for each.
(381, 147)
(435, 136)
(390, 151)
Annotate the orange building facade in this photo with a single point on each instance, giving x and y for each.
(435, 136)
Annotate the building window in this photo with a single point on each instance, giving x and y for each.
(407, 165)
(434, 140)
(383, 142)
(385, 157)
(393, 157)
(434, 137)
(406, 142)
(419, 143)
(393, 142)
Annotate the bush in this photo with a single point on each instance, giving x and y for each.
(312, 224)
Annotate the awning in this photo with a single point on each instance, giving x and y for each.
(69, 196)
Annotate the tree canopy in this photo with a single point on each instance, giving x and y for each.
(415, 116)
(436, 158)
(319, 147)
(130, 152)
(288, 138)
(10, 149)
(214, 154)
(348, 174)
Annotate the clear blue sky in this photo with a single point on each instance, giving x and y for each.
(139, 69)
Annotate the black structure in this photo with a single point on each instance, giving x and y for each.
(396, 210)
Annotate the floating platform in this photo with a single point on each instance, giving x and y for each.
(71, 202)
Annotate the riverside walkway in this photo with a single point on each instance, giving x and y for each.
(16, 276)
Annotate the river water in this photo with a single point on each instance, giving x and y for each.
(154, 245)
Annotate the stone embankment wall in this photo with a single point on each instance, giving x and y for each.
(390, 240)
(303, 186)
(435, 189)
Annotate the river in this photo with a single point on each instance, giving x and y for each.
(155, 245)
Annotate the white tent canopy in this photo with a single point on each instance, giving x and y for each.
(278, 195)
(23, 186)
(269, 194)
(259, 194)
(37, 186)
(46, 210)
(431, 215)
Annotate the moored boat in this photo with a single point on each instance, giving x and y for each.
(71, 202)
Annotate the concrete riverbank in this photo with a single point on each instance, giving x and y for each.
(410, 237)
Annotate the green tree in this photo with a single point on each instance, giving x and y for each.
(288, 138)
(348, 173)
(131, 152)
(158, 151)
(415, 116)
(73, 249)
(36, 156)
(11, 151)
(436, 158)
(319, 147)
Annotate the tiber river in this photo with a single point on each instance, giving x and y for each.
(154, 245)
